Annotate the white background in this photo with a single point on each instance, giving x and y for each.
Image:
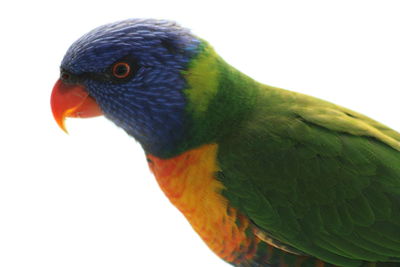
(88, 199)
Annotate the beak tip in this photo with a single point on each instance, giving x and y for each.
(72, 100)
(61, 124)
(65, 131)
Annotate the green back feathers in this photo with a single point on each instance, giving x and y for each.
(219, 95)
(318, 177)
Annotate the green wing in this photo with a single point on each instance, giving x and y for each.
(320, 178)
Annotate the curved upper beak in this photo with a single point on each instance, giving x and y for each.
(72, 100)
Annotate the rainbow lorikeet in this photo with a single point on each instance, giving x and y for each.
(266, 176)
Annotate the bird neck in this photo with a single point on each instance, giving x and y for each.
(219, 98)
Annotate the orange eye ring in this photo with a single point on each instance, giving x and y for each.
(121, 70)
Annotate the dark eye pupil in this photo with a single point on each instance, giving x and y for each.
(121, 70)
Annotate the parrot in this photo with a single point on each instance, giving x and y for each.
(265, 176)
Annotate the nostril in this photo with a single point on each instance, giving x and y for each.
(65, 76)
(70, 78)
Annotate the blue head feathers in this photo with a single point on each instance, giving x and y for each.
(148, 103)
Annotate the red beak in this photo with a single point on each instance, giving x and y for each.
(72, 100)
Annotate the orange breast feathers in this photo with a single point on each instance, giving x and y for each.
(189, 182)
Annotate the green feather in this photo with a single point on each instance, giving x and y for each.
(318, 177)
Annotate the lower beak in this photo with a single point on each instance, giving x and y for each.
(72, 100)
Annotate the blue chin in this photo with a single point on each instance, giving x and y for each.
(159, 134)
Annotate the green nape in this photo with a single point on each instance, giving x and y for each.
(218, 95)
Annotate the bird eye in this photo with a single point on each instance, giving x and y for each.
(121, 70)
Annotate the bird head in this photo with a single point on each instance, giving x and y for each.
(132, 72)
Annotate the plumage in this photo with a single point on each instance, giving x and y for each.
(266, 176)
